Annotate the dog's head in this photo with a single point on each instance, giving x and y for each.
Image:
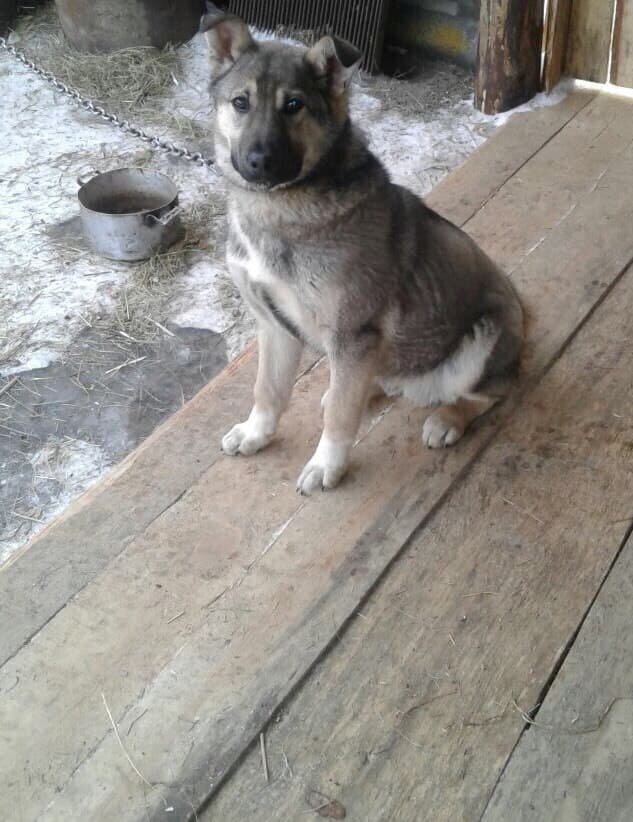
(279, 108)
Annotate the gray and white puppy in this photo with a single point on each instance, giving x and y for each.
(327, 252)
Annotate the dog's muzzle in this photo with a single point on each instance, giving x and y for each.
(267, 166)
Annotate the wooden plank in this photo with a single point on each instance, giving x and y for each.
(550, 187)
(118, 508)
(556, 40)
(148, 603)
(508, 65)
(623, 46)
(466, 189)
(589, 40)
(264, 609)
(121, 507)
(411, 715)
(578, 756)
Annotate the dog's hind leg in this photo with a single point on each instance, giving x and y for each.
(447, 423)
(496, 369)
(278, 361)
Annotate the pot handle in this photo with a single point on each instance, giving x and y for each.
(84, 178)
(152, 219)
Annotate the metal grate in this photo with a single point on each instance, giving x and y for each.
(361, 22)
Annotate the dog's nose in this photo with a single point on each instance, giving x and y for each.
(258, 162)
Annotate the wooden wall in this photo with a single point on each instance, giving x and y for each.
(589, 39)
(623, 52)
(599, 45)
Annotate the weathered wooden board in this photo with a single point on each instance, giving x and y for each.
(78, 545)
(460, 195)
(623, 46)
(589, 39)
(118, 634)
(576, 762)
(508, 65)
(552, 185)
(156, 474)
(40, 579)
(556, 38)
(411, 716)
(191, 690)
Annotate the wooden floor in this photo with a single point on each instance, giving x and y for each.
(445, 637)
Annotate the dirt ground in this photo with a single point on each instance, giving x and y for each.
(94, 354)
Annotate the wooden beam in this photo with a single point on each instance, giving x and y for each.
(556, 37)
(508, 69)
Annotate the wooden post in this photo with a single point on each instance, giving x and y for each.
(508, 70)
(622, 54)
(556, 35)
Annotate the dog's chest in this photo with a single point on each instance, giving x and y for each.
(270, 280)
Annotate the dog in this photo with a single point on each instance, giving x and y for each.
(329, 253)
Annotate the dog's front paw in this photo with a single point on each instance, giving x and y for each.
(443, 427)
(326, 468)
(245, 438)
(317, 476)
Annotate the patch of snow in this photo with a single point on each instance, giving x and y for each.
(36, 358)
(70, 466)
(71, 463)
(44, 291)
(208, 299)
(206, 310)
(541, 100)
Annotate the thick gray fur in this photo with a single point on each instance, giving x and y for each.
(330, 253)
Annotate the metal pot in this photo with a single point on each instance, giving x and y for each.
(129, 213)
(108, 25)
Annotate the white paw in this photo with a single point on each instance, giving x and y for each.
(440, 429)
(317, 476)
(243, 439)
(326, 468)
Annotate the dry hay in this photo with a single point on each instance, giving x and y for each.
(131, 83)
(127, 78)
(142, 305)
(428, 88)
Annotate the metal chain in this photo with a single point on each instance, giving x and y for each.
(155, 143)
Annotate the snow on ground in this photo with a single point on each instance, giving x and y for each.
(54, 290)
(420, 153)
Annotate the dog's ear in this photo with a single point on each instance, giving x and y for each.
(228, 38)
(334, 61)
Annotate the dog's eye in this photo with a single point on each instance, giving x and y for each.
(240, 103)
(293, 105)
